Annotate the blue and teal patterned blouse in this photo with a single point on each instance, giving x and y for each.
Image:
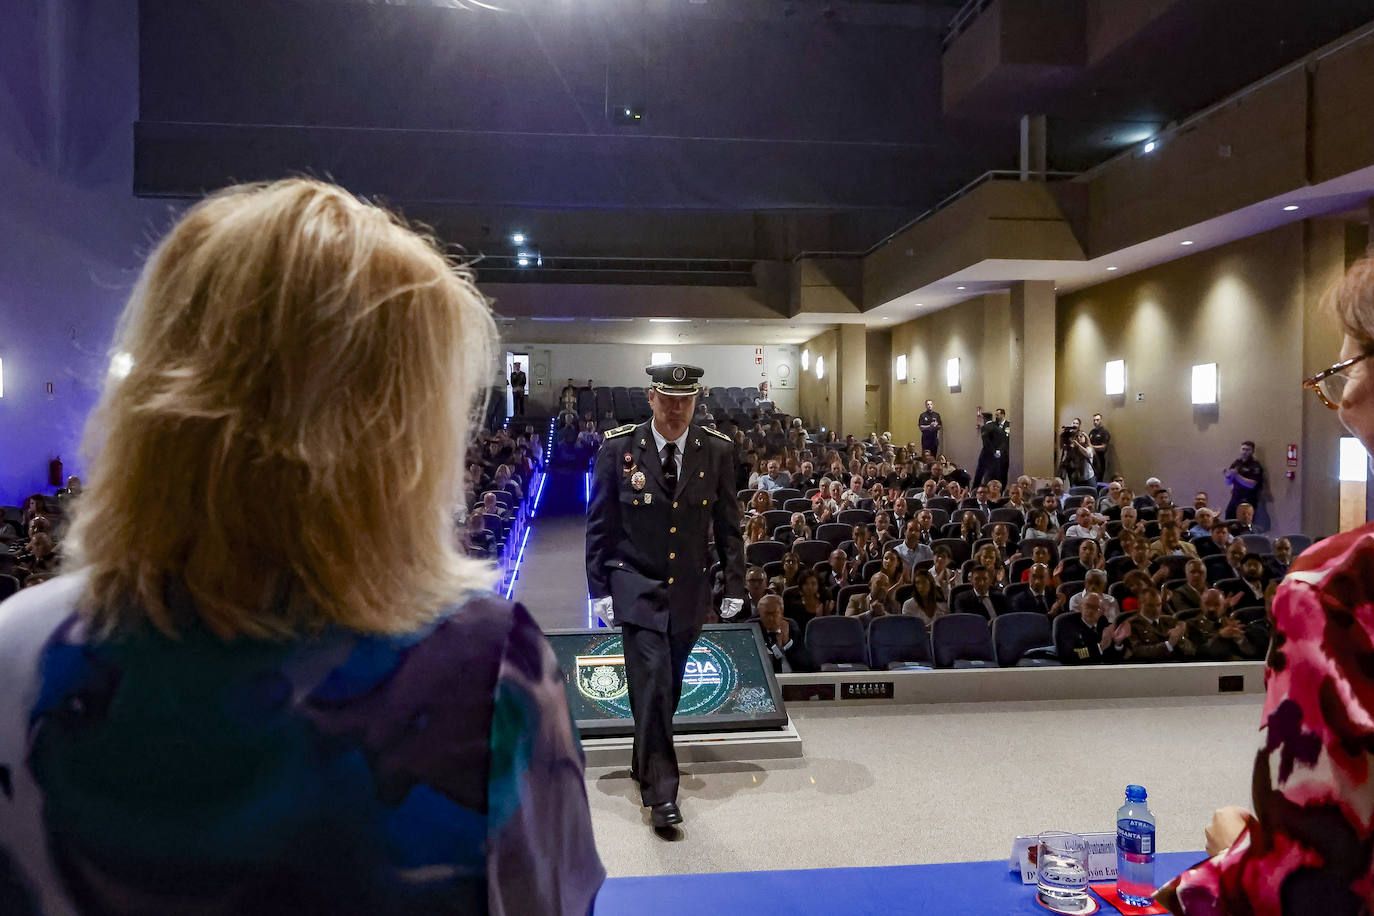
(433, 773)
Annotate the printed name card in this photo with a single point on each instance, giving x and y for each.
(1101, 856)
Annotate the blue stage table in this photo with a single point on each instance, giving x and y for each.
(965, 888)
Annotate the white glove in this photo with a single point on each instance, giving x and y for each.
(602, 607)
(730, 607)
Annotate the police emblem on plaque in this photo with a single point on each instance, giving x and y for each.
(602, 682)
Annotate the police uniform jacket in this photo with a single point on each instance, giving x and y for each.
(647, 548)
(1149, 640)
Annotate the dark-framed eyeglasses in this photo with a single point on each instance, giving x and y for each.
(1330, 382)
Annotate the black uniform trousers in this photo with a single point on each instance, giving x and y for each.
(987, 467)
(519, 403)
(654, 666)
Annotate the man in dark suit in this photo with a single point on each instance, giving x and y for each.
(782, 637)
(517, 389)
(991, 435)
(658, 489)
(1086, 638)
(1037, 598)
(982, 600)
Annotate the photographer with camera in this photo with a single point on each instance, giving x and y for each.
(1076, 455)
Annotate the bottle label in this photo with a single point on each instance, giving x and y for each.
(1135, 837)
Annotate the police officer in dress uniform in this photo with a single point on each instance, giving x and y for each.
(658, 490)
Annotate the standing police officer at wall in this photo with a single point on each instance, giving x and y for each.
(658, 490)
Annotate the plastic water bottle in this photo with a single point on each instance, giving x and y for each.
(1135, 849)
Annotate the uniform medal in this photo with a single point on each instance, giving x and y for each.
(637, 480)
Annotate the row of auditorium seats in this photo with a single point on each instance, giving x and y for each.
(630, 404)
(954, 641)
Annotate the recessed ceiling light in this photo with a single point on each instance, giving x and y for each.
(523, 262)
(1111, 268)
(1188, 242)
(1291, 207)
(885, 318)
(961, 287)
(518, 238)
(669, 320)
(1150, 147)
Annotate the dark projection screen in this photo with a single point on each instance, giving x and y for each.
(729, 684)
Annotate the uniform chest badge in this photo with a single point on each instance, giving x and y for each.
(648, 499)
(637, 480)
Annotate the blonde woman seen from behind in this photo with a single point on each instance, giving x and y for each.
(269, 680)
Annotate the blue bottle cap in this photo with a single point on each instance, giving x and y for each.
(1135, 793)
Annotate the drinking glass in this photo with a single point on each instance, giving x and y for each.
(1061, 872)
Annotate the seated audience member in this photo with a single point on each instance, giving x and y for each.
(39, 559)
(1039, 597)
(882, 528)
(878, 601)
(806, 478)
(1052, 507)
(784, 645)
(912, 550)
(862, 546)
(982, 599)
(1153, 637)
(1236, 552)
(250, 702)
(893, 569)
(1202, 525)
(1217, 543)
(1136, 582)
(9, 531)
(1170, 544)
(1164, 498)
(970, 529)
(901, 513)
(1001, 539)
(1244, 522)
(986, 557)
(808, 600)
(798, 530)
(490, 505)
(505, 481)
(1188, 596)
(1038, 526)
(943, 571)
(838, 573)
(927, 601)
(1086, 638)
(925, 522)
(1131, 525)
(791, 570)
(34, 506)
(756, 529)
(1039, 554)
(1016, 500)
(478, 540)
(1095, 583)
(755, 587)
(1200, 500)
(759, 503)
(1255, 579)
(1085, 525)
(1283, 558)
(929, 491)
(1219, 636)
(1076, 568)
(775, 478)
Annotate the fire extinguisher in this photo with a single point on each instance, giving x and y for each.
(55, 472)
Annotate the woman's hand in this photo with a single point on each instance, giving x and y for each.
(1226, 827)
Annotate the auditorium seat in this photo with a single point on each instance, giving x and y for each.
(898, 642)
(943, 502)
(783, 494)
(833, 533)
(1118, 567)
(1007, 515)
(844, 594)
(872, 568)
(1018, 566)
(1029, 544)
(8, 586)
(796, 504)
(812, 551)
(1083, 491)
(959, 549)
(1300, 542)
(1217, 568)
(1257, 543)
(1013, 635)
(1069, 589)
(777, 518)
(939, 518)
(957, 516)
(837, 644)
(1234, 586)
(1252, 614)
(855, 517)
(962, 641)
(761, 552)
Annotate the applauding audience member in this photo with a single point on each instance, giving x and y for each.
(785, 647)
(1220, 636)
(1188, 596)
(1038, 598)
(1086, 638)
(1153, 636)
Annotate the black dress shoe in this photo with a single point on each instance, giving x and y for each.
(665, 815)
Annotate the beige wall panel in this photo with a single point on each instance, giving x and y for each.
(1240, 306)
(1343, 112)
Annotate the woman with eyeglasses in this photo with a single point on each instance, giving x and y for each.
(1307, 845)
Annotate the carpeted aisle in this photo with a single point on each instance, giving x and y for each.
(553, 575)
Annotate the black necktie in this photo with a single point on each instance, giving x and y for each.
(670, 466)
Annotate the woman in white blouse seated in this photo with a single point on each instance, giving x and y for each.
(927, 600)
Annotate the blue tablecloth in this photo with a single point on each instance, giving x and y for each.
(964, 888)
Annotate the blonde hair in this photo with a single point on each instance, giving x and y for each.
(288, 444)
(1351, 301)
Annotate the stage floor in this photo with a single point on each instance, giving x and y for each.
(910, 785)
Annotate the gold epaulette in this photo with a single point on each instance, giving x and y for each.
(619, 431)
(717, 433)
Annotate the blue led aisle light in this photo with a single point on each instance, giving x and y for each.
(587, 487)
(539, 494)
(515, 574)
